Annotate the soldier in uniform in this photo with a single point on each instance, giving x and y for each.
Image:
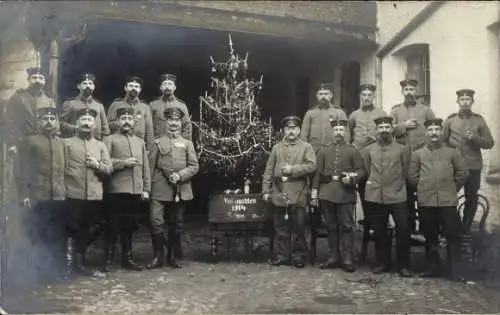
(173, 163)
(468, 132)
(42, 184)
(21, 109)
(386, 165)
(438, 172)
(339, 168)
(316, 128)
(144, 123)
(129, 183)
(363, 133)
(85, 99)
(285, 184)
(87, 165)
(168, 99)
(409, 118)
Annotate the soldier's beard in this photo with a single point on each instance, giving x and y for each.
(133, 93)
(385, 136)
(87, 92)
(339, 137)
(168, 92)
(410, 98)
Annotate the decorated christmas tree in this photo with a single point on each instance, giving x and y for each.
(234, 141)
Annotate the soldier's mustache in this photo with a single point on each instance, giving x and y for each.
(87, 91)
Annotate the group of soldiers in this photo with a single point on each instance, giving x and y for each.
(80, 166)
(394, 161)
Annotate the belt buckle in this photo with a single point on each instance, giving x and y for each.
(335, 177)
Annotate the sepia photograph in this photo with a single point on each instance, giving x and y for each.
(249, 157)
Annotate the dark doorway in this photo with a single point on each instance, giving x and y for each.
(350, 76)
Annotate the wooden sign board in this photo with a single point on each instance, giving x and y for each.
(236, 208)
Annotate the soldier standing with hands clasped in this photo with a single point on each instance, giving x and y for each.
(386, 165)
(339, 168)
(129, 183)
(468, 132)
(87, 165)
(173, 163)
(438, 172)
(285, 184)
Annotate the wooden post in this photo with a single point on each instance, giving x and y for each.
(54, 70)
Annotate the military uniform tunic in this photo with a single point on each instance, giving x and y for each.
(159, 121)
(316, 128)
(362, 126)
(68, 121)
(416, 138)
(143, 127)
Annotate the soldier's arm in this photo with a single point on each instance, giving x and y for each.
(445, 135)
(267, 178)
(153, 157)
(414, 170)
(104, 121)
(484, 138)
(461, 171)
(192, 164)
(351, 126)
(25, 169)
(308, 165)
(399, 129)
(148, 119)
(365, 154)
(12, 120)
(358, 167)
(118, 164)
(113, 123)
(146, 172)
(319, 167)
(306, 125)
(67, 128)
(405, 160)
(105, 165)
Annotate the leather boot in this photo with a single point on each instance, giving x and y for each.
(109, 255)
(173, 238)
(70, 256)
(158, 254)
(79, 267)
(127, 257)
(179, 254)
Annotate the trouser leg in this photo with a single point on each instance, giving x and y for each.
(450, 221)
(345, 214)
(128, 215)
(175, 212)
(330, 213)
(400, 215)
(112, 207)
(471, 189)
(380, 219)
(281, 236)
(430, 221)
(157, 218)
(299, 246)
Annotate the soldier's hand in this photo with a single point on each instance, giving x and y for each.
(411, 124)
(27, 203)
(346, 179)
(469, 135)
(92, 162)
(12, 150)
(286, 170)
(131, 162)
(266, 197)
(145, 195)
(174, 178)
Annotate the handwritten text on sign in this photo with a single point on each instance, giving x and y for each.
(235, 208)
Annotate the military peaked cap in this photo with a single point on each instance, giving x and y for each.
(132, 78)
(86, 111)
(47, 111)
(325, 86)
(125, 111)
(86, 76)
(168, 76)
(291, 121)
(369, 87)
(466, 92)
(434, 122)
(383, 120)
(173, 112)
(338, 122)
(34, 70)
(407, 82)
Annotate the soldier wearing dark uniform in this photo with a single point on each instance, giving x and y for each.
(316, 128)
(168, 99)
(144, 123)
(173, 163)
(129, 183)
(363, 133)
(21, 109)
(285, 183)
(87, 165)
(468, 132)
(42, 185)
(438, 172)
(386, 165)
(339, 167)
(409, 118)
(85, 99)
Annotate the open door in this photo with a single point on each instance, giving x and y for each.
(349, 82)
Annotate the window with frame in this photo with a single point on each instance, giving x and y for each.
(417, 67)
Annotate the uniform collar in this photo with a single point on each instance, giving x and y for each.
(433, 146)
(168, 98)
(173, 135)
(86, 100)
(85, 135)
(287, 143)
(127, 133)
(131, 101)
(367, 108)
(410, 103)
(327, 106)
(464, 114)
